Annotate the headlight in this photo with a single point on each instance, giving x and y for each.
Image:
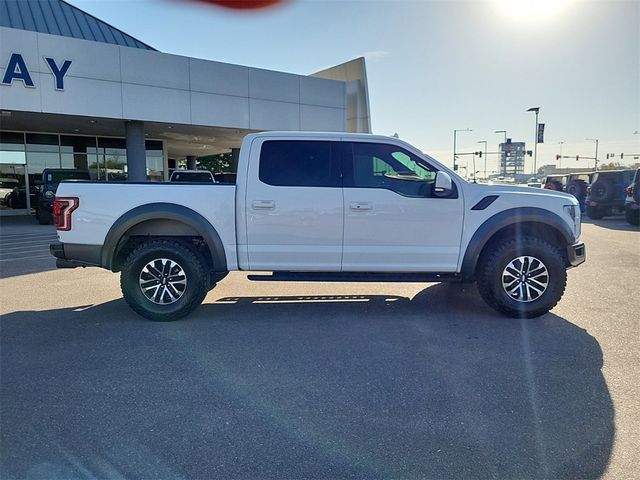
(49, 194)
(573, 213)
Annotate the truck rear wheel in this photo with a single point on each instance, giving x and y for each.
(163, 280)
(522, 278)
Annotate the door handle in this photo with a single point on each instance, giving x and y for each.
(263, 204)
(361, 206)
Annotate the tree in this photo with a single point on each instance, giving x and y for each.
(218, 163)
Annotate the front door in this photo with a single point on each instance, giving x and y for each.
(393, 223)
(294, 206)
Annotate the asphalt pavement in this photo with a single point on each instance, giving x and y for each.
(318, 380)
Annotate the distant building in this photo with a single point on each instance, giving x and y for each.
(512, 158)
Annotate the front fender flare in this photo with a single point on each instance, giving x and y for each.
(506, 218)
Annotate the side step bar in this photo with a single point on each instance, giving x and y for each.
(364, 277)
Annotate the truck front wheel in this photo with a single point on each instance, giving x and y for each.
(163, 280)
(522, 278)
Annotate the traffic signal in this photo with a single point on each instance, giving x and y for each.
(558, 157)
(577, 157)
(530, 153)
(621, 156)
(480, 154)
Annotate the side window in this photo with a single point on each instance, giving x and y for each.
(298, 163)
(373, 165)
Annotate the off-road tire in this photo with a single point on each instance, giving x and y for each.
(196, 275)
(603, 190)
(632, 216)
(493, 263)
(44, 218)
(577, 188)
(595, 213)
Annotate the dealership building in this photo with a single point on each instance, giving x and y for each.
(76, 92)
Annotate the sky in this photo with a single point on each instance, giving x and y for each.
(436, 66)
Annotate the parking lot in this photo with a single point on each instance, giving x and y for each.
(322, 380)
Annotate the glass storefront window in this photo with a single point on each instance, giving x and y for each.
(42, 142)
(105, 158)
(77, 152)
(155, 161)
(12, 148)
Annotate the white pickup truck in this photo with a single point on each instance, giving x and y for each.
(322, 207)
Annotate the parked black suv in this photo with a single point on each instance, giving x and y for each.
(51, 178)
(606, 195)
(632, 202)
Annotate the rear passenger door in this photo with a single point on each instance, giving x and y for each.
(294, 205)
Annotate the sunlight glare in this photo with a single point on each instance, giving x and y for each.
(532, 10)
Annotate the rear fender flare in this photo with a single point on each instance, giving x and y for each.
(163, 211)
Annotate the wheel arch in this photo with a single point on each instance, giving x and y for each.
(162, 220)
(524, 221)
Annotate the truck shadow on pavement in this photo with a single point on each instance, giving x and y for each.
(331, 386)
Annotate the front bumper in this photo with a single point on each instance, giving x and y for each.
(72, 255)
(576, 254)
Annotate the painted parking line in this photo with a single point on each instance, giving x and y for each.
(26, 259)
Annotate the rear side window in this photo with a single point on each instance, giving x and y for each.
(299, 163)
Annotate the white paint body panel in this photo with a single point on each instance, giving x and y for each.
(400, 234)
(291, 228)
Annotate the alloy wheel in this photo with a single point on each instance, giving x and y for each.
(162, 281)
(525, 279)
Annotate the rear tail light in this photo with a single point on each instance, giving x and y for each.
(63, 207)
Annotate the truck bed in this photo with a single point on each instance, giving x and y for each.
(102, 203)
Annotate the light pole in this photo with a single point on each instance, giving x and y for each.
(485, 157)
(596, 155)
(505, 141)
(561, 144)
(454, 143)
(535, 139)
(505, 134)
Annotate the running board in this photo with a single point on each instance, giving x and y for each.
(356, 277)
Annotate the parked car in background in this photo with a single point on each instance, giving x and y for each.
(632, 200)
(192, 176)
(577, 185)
(226, 177)
(45, 193)
(555, 182)
(606, 195)
(6, 188)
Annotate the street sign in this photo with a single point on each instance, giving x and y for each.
(541, 133)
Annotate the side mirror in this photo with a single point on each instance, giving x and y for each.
(443, 186)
